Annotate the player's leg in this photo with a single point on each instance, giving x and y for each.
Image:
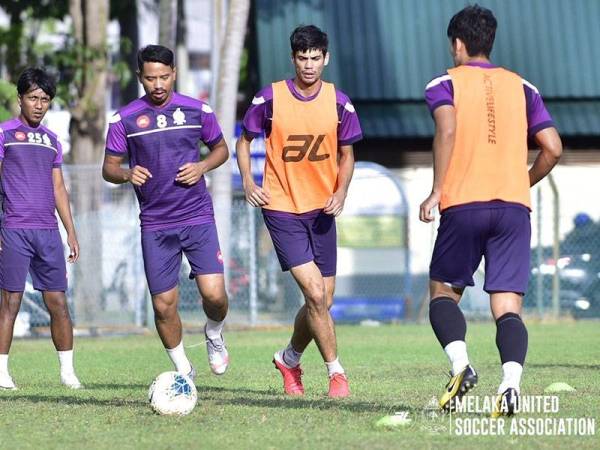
(200, 244)
(215, 305)
(49, 275)
(162, 261)
(15, 259)
(301, 336)
(456, 256)
(61, 329)
(10, 303)
(507, 275)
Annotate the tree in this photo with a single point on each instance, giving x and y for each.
(90, 20)
(225, 106)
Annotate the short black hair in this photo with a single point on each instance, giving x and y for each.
(155, 53)
(476, 27)
(308, 37)
(33, 78)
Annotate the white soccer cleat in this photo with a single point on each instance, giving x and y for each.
(71, 381)
(6, 382)
(218, 357)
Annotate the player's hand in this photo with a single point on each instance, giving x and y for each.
(190, 173)
(255, 195)
(335, 204)
(139, 175)
(73, 248)
(425, 214)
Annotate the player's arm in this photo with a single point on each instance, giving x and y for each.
(114, 173)
(443, 144)
(550, 152)
(335, 204)
(255, 195)
(190, 173)
(61, 198)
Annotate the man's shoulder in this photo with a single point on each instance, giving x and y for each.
(9, 124)
(128, 110)
(263, 96)
(181, 100)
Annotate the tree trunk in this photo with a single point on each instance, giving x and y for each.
(90, 19)
(226, 102)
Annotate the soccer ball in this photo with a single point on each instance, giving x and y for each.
(172, 394)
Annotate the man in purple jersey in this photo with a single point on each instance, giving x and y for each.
(303, 191)
(483, 116)
(160, 133)
(33, 188)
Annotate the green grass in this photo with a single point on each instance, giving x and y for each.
(391, 368)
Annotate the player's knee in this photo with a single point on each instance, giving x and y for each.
(215, 297)
(9, 307)
(163, 309)
(316, 300)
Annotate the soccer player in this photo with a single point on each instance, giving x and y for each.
(310, 127)
(483, 116)
(33, 187)
(160, 133)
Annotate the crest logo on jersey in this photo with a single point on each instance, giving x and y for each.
(46, 140)
(220, 256)
(178, 117)
(20, 136)
(143, 121)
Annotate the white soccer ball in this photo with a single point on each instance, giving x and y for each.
(172, 394)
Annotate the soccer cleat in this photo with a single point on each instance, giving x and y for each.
(218, 357)
(71, 381)
(506, 403)
(6, 382)
(338, 386)
(292, 377)
(457, 387)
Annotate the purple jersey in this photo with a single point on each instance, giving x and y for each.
(28, 157)
(162, 139)
(260, 113)
(440, 91)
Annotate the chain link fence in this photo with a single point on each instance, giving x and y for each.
(375, 279)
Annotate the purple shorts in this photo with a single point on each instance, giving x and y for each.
(162, 251)
(39, 252)
(500, 232)
(301, 238)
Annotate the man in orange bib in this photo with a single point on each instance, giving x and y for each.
(483, 116)
(310, 127)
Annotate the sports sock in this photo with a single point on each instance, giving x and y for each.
(291, 357)
(65, 358)
(511, 376)
(4, 363)
(214, 328)
(179, 359)
(450, 328)
(334, 367)
(511, 340)
(457, 355)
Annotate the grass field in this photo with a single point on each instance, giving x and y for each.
(391, 368)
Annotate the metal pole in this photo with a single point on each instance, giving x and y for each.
(555, 248)
(539, 285)
(253, 300)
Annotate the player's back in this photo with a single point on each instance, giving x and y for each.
(489, 160)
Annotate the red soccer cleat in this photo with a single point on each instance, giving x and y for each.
(338, 386)
(292, 378)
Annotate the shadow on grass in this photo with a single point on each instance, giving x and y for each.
(67, 400)
(564, 366)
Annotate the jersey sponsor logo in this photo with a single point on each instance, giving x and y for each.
(20, 136)
(143, 121)
(295, 153)
(220, 256)
(178, 117)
